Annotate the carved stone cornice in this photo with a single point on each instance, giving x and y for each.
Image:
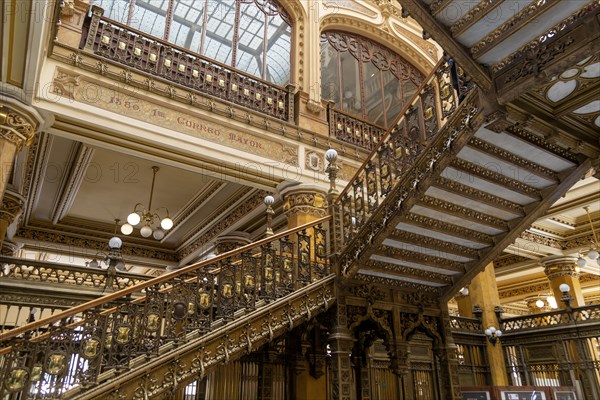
(305, 200)
(555, 267)
(524, 290)
(540, 239)
(508, 260)
(16, 127)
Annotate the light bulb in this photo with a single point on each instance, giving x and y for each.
(488, 332)
(158, 234)
(540, 303)
(593, 254)
(498, 333)
(581, 262)
(115, 243)
(126, 229)
(492, 329)
(166, 223)
(331, 155)
(134, 218)
(564, 288)
(146, 231)
(269, 200)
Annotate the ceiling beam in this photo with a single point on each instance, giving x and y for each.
(417, 10)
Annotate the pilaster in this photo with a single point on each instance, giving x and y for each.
(10, 210)
(304, 203)
(561, 270)
(341, 342)
(484, 293)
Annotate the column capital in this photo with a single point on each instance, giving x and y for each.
(306, 199)
(11, 206)
(558, 266)
(16, 125)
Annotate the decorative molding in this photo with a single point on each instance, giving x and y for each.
(305, 203)
(454, 230)
(60, 238)
(408, 272)
(473, 215)
(379, 280)
(474, 15)
(540, 239)
(517, 21)
(68, 191)
(232, 217)
(11, 207)
(16, 127)
(509, 260)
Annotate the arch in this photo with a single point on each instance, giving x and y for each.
(380, 323)
(355, 25)
(423, 325)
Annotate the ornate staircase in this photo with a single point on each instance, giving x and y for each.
(444, 192)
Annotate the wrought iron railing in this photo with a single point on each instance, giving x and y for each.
(353, 130)
(398, 151)
(558, 318)
(466, 325)
(16, 269)
(73, 348)
(124, 45)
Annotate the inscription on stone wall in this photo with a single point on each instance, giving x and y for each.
(126, 103)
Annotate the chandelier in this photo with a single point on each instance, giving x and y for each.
(147, 217)
(593, 252)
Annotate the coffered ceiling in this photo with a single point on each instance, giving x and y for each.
(77, 191)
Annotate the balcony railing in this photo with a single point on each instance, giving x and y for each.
(74, 347)
(466, 325)
(353, 130)
(124, 45)
(552, 319)
(16, 269)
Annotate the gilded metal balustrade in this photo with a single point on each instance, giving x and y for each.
(122, 44)
(398, 150)
(558, 318)
(46, 358)
(353, 130)
(16, 269)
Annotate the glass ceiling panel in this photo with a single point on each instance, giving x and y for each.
(219, 30)
(117, 10)
(150, 16)
(278, 50)
(186, 28)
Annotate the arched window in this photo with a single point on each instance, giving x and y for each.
(365, 79)
(253, 36)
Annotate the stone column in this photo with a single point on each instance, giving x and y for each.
(561, 270)
(465, 305)
(484, 293)
(10, 210)
(17, 129)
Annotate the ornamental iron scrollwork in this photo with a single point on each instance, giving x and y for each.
(77, 348)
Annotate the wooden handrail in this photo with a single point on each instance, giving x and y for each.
(158, 280)
(388, 133)
(188, 51)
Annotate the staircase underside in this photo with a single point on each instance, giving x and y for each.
(200, 353)
(458, 210)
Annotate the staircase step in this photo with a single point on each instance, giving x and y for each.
(414, 259)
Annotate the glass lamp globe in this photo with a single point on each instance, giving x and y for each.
(158, 234)
(166, 224)
(552, 301)
(146, 231)
(115, 243)
(133, 218)
(564, 288)
(331, 155)
(488, 332)
(498, 333)
(540, 303)
(492, 329)
(269, 200)
(581, 262)
(593, 254)
(126, 229)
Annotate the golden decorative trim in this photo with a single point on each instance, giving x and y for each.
(515, 23)
(473, 16)
(15, 127)
(305, 203)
